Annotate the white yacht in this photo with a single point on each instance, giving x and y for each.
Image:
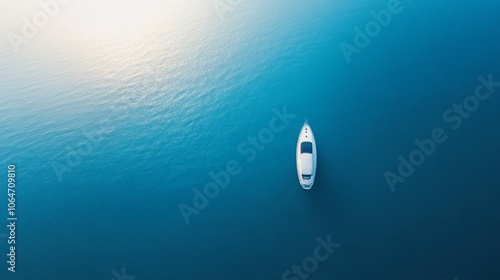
(306, 157)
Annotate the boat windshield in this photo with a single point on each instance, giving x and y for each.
(306, 176)
(306, 148)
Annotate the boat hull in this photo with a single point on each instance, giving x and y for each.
(306, 157)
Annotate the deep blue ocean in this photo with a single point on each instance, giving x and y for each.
(157, 140)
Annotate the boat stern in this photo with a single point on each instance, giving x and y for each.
(306, 186)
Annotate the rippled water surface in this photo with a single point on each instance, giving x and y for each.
(115, 115)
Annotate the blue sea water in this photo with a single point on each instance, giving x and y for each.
(116, 113)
